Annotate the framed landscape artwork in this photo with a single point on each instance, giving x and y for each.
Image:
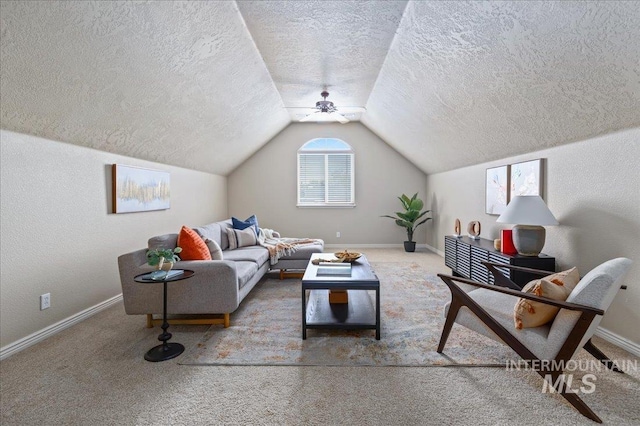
(497, 190)
(526, 178)
(139, 190)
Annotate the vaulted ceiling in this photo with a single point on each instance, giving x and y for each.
(203, 85)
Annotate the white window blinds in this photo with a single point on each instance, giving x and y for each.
(312, 179)
(339, 178)
(325, 178)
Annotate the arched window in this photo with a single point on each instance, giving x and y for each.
(325, 174)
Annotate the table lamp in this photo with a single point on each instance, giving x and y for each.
(530, 214)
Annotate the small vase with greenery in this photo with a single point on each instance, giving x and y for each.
(163, 258)
(409, 218)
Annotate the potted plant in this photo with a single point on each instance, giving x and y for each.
(407, 219)
(163, 257)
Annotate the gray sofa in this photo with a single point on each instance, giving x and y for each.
(218, 286)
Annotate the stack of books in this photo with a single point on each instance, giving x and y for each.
(162, 275)
(333, 268)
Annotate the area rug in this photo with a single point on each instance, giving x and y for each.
(266, 329)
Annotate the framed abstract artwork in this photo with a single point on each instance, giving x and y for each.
(139, 190)
(496, 190)
(526, 178)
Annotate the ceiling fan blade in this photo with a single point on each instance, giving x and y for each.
(353, 108)
(342, 108)
(339, 117)
(309, 117)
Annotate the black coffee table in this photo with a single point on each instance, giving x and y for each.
(166, 350)
(358, 313)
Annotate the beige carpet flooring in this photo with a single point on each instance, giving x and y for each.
(94, 374)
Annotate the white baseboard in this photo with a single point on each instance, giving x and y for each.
(435, 250)
(348, 246)
(618, 340)
(39, 336)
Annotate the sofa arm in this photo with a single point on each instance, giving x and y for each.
(213, 289)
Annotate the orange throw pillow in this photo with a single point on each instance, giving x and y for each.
(193, 246)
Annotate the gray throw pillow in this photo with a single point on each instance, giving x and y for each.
(211, 231)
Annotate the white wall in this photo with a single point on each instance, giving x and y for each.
(593, 189)
(58, 235)
(265, 185)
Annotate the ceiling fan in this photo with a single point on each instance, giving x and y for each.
(326, 111)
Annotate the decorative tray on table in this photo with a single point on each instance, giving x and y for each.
(346, 256)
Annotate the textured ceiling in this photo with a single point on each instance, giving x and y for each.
(311, 45)
(468, 82)
(203, 85)
(179, 83)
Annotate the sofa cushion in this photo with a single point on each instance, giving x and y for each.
(193, 246)
(214, 249)
(224, 239)
(245, 270)
(166, 241)
(251, 221)
(212, 231)
(305, 251)
(241, 238)
(257, 254)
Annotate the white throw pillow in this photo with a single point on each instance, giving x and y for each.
(214, 249)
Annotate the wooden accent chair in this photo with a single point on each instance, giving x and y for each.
(488, 310)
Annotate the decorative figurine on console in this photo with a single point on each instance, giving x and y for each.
(457, 229)
(474, 230)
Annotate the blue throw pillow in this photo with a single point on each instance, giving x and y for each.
(244, 224)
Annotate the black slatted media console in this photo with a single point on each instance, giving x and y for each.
(464, 256)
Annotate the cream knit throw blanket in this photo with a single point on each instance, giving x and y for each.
(279, 247)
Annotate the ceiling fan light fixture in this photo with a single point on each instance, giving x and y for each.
(325, 106)
(326, 111)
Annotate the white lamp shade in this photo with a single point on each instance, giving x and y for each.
(527, 210)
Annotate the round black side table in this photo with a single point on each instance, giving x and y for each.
(166, 350)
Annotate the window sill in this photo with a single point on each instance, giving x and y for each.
(326, 206)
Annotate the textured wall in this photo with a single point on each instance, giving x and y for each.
(593, 189)
(266, 184)
(178, 83)
(468, 82)
(58, 235)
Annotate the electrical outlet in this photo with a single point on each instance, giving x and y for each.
(338, 234)
(45, 301)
